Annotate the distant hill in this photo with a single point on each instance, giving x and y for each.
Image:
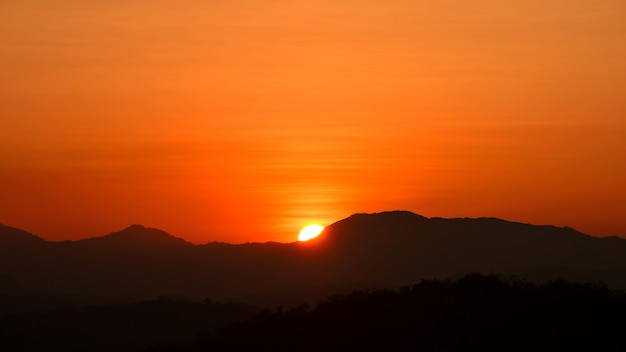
(136, 236)
(382, 249)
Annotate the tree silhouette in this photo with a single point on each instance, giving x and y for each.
(473, 312)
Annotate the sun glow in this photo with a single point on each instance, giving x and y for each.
(310, 232)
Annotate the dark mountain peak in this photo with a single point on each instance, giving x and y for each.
(360, 228)
(395, 218)
(385, 217)
(406, 231)
(139, 235)
(135, 227)
(13, 235)
(136, 230)
(389, 215)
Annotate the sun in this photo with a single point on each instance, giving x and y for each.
(310, 232)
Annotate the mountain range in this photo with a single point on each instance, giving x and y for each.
(364, 250)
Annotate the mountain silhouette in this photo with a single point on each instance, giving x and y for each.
(12, 236)
(402, 246)
(383, 249)
(135, 237)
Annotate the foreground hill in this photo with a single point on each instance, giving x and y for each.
(119, 327)
(364, 250)
(475, 312)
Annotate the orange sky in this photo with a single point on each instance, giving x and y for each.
(245, 120)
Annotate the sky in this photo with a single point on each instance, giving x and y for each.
(243, 121)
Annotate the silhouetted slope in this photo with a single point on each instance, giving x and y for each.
(135, 237)
(389, 248)
(12, 236)
(140, 262)
(475, 313)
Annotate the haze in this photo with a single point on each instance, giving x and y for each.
(246, 120)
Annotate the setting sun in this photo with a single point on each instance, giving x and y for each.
(310, 232)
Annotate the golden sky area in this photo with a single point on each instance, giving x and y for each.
(244, 121)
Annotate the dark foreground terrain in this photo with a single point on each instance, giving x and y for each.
(120, 327)
(475, 312)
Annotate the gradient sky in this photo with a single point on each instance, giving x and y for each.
(243, 121)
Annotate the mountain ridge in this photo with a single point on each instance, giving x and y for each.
(394, 248)
(141, 231)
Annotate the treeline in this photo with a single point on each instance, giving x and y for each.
(475, 312)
